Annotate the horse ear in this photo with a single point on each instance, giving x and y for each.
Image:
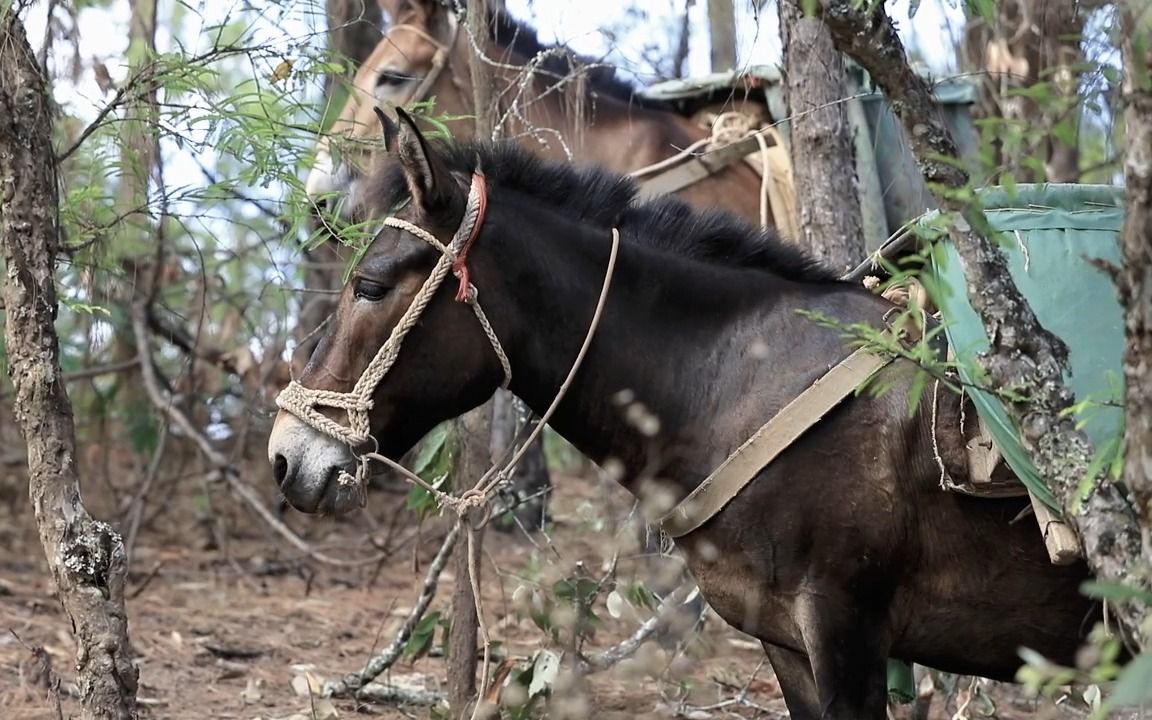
(428, 180)
(388, 127)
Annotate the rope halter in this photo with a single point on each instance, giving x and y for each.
(305, 403)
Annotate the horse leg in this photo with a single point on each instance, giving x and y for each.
(848, 656)
(794, 674)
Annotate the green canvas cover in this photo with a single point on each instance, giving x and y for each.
(1050, 232)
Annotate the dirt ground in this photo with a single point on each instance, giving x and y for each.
(226, 618)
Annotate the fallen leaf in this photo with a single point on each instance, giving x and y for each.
(307, 685)
(324, 710)
(251, 693)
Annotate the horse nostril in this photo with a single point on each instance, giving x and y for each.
(280, 469)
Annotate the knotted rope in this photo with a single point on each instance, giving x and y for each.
(305, 403)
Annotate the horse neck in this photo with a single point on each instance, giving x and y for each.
(660, 325)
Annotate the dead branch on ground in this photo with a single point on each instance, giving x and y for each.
(357, 684)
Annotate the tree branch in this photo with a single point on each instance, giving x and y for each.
(1023, 356)
(353, 684)
(224, 467)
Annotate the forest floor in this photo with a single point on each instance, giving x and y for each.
(228, 622)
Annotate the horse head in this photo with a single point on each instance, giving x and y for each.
(405, 67)
(358, 393)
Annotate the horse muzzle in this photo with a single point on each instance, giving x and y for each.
(307, 465)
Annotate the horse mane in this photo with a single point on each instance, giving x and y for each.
(593, 194)
(561, 61)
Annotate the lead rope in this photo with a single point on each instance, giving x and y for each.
(479, 496)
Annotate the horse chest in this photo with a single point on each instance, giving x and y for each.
(744, 594)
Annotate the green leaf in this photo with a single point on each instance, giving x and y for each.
(1114, 591)
(1134, 686)
(422, 636)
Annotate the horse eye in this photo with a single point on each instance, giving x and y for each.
(370, 290)
(393, 77)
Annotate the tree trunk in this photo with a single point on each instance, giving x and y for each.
(823, 158)
(1030, 42)
(86, 557)
(1136, 281)
(508, 416)
(473, 430)
(474, 442)
(135, 236)
(353, 32)
(1023, 355)
(722, 31)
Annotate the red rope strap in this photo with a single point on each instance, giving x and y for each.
(460, 266)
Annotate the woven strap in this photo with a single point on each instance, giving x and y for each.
(773, 438)
(305, 403)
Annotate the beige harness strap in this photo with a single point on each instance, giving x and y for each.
(773, 438)
(696, 168)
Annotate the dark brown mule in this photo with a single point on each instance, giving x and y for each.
(596, 115)
(841, 553)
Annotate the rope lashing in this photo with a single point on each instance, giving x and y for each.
(305, 402)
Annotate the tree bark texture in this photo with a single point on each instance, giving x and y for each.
(722, 33)
(1136, 280)
(86, 556)
(823, 157)
(474, 442)
(473, 430)
(1023, 357)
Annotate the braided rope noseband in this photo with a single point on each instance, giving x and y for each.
(304, 402)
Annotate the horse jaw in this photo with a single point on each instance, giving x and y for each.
(306, 464)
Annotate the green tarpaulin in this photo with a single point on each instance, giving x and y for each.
(1049, 233)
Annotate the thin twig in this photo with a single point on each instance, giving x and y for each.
(136, 509)
(224, 467)
(629, 645)
(353, 684)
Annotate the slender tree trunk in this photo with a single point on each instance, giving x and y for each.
(473, 458)
(135, 238)
(823, 157)
(1023, 355)
(1030, 42)
(1136, 280)
(86, 557)
(474, 433)
(510, 415)
(353, 31)
(722, 31)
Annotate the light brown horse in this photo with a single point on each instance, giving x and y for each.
(555, 103)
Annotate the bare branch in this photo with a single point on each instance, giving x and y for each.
(355, 683)
(224, 468)
(627, 647)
